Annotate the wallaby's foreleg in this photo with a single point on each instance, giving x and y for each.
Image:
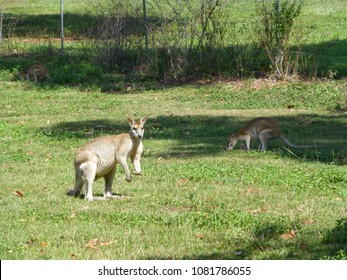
(123, 162)
(248, 142)
(108, 183)
(135, 159)
(136, 163)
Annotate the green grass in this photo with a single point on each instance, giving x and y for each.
(194, 200)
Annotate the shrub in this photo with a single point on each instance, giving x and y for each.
(273, 32)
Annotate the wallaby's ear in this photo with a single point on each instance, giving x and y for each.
(143, 120)
(131, 121)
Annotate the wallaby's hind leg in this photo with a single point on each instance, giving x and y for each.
(263, 145)
(263, 137)
(109, 178)
(108, 183)
(263, 141)
(88, 170)
(78, 185)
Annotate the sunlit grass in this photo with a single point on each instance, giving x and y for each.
(194, 200)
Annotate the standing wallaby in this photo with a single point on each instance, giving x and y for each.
(263, 129)
(99, 158)
(37, 70)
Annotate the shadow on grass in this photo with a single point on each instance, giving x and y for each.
(207, 136)
(268, 239)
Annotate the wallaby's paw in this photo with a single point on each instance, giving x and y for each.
(137, 173)
(114, 196)
(71, 193)
(99, 198)
(89, 198)
(128, 179)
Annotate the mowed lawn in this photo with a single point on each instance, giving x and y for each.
(194, 200)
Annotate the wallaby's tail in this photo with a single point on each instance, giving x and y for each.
(291, 145)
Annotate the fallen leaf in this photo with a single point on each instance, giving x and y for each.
(74, 256)
(44, 244)
(290, 235)
(182, 181)
(48, 157)
(199, 236)
(252, 190)
(257, 211)
(290, 106)
(107, 243)
(72, 216)
(308, 222)
(31, 241)
(18, 194)
(287, 236)
(92, 243)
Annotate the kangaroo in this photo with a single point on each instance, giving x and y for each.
(263, 129)
(37, 70)
(99, 157)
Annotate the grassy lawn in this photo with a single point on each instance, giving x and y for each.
(194, 200)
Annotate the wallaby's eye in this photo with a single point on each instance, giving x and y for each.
(141, 128)
(134, 128)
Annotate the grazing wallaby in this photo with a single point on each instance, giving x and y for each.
(37, 70)
(263, 129)
(99, 158)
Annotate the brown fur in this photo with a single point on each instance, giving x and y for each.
(37, 70)
(99, 158)
(262, 129)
